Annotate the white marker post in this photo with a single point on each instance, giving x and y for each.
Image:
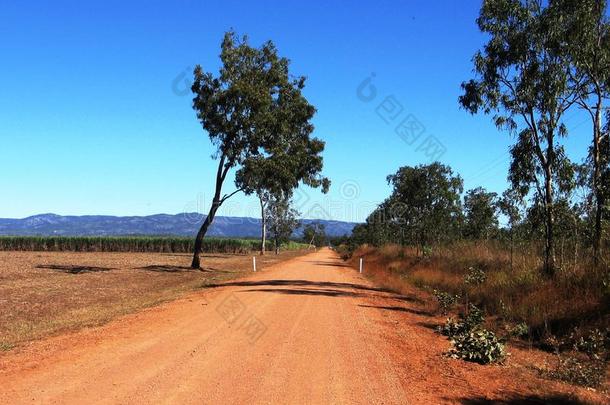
(254, 262)
(361, 265)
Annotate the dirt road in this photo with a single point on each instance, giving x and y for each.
(310, 330)
(291, 334)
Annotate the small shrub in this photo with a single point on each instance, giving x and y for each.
(519, 330)
(595, 344)
(588, 373)
(5, 346)
(445, 300)
(479, 346)
(470, 341)
(474, 318)
(426, 251)
(475, 276)
(452, 328)
(466, 324)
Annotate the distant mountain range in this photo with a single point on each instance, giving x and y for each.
(186, 224)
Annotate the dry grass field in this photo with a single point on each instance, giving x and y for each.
(45, 293)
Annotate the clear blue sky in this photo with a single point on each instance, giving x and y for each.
(92, 120)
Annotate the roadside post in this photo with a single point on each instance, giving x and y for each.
(361, 265)
(254, 262)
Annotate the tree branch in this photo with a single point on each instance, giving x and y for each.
(227, 196)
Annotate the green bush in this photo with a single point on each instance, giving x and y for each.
(475, 276)
(470, 341)
(588, 373)
(445, 300)
(479, 346)
(466, 324)
(595, 344)
(452, 328)
(519, 330)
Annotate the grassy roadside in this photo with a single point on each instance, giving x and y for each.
(518, 294)
(47, 293)
(567, 316)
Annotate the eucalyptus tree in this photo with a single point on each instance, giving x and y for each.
(291, 156)
(425, 203)
(282, 219)
(481, 209)
(314, 233)
(241, 109)
(522, 77)
(586, 38)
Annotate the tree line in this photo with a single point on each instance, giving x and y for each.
(428, 207)
(541, 60)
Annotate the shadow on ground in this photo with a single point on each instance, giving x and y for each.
(166, 269)
(73, 269)
(328, 263)
(525, 400)
(203, 255)
(300, 283)
(308, 291)
(399, 309)
(179, 269)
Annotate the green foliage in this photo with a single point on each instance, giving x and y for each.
(588, 373)
(426, 251)
(481, 209)
(129, 244)
(281, 218)
(256, 116)
(445, 300)
(479, 346)
(5, 346)
(473, 320)
(315, 233)
(519, 330)
(595, 344)
(423, 209)
(475, 276)
(452, 328)
(523, 78)
(470, 341)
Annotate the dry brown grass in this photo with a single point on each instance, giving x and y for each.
(576, 296)
(45, 293)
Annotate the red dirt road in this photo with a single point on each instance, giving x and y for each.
(310, 330)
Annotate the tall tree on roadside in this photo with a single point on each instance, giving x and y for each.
(291, 155)
(481, 210)
(314, 233)
(510, 205)
(240, 110)
(523, 78)
(282, 219)
(425, 204)
(586, 38)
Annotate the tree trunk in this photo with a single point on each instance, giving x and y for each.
(263, 225)
(221, 172)
(196, 263)
(575, 242)
(549, 249)
(597, 186)
(512, 245)
(277, 246)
